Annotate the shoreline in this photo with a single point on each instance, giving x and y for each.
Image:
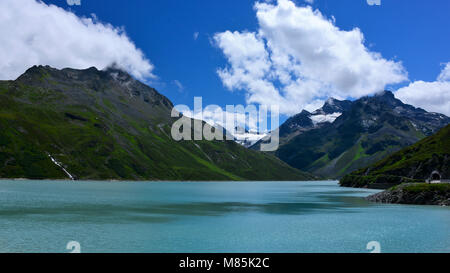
(414, 194)
(164, 181)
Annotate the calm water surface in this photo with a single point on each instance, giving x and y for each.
(43, 216)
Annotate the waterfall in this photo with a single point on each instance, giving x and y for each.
(60, 165)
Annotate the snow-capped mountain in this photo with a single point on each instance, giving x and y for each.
(306, 121)
(344, 136)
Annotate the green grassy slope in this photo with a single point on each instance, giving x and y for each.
(105, 125)
(414, 163)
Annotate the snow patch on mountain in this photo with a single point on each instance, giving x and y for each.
(247, 139)
(321, 118)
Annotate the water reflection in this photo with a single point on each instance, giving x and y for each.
(160, 213)
(281, 199)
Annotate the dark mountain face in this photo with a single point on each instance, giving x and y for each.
(333, 105)
(93, 124)
(368, 130)
(296, 124)
(88, 87)
(306, 121)
(427, 123)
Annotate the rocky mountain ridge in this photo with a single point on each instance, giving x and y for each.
(366, 131)
(103, 125)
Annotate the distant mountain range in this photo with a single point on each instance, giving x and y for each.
(344, 136)
(415, 163)
(91, 124)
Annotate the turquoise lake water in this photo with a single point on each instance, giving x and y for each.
(43, 216)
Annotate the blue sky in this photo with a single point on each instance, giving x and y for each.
(165, 29)
(412, 32)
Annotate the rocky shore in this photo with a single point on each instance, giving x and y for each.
(415, 193)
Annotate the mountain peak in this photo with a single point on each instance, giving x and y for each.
(305, 113)
(387, 98)
(118, 74)
(385, 93)
(113, 82)
(333, 105)
(37, 69)
(331, 101)
(114, 68)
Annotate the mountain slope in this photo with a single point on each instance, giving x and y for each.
(368, 130)
(416, 162)
(107, 125)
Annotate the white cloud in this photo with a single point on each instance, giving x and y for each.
(445, 73)
(298, 57)
(431, 96)
(33, 33)
(196, 35)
